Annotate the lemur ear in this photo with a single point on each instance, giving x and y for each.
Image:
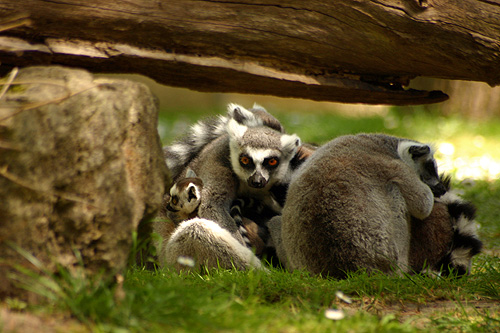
(290, 143)
(266, 118)
(190, 173)
(192, 192)
(417, 151)
(258, 107)
(409, 151)
(235, 130)
(243, 116)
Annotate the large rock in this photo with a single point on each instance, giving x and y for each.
(80, 166)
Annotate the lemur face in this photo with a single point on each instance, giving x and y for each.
(420, 158)
(260, 155)
(258, 166)
(185, 196)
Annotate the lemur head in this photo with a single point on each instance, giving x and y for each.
(260, 155)
(420, 157)
(185, 195)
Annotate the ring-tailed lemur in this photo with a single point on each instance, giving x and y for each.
(180, 153)
(183, 151)
(208, 245)
(208, 148)
(184, 199)
(247, 161)
(180, 204)
(349, 205)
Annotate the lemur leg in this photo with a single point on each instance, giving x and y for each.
(218, 194)
(418, 196)
(274, 226)
(218, 210)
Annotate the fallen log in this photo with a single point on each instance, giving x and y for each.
(347, 51)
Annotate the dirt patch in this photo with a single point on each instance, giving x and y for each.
(15, 321)
(421, 314)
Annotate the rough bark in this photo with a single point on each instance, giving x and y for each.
(346, 51)
(80, 166)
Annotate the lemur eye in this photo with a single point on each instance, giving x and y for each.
(273, 162)
(174, 200)
(245, 160)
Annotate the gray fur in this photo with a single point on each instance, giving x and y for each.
(438, 243)
(348, 207)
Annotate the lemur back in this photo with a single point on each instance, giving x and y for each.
(348, 206)
(206, 245)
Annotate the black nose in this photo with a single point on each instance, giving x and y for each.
(257, 181)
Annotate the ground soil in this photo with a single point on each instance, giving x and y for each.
(21, 321)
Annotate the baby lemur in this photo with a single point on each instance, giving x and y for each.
(184, 198)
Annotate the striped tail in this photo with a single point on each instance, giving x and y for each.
(180, 153)
(466, 243)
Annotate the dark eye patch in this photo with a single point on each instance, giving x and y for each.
(246, 161)
(271, 162)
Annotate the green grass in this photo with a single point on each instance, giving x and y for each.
(221, 301)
